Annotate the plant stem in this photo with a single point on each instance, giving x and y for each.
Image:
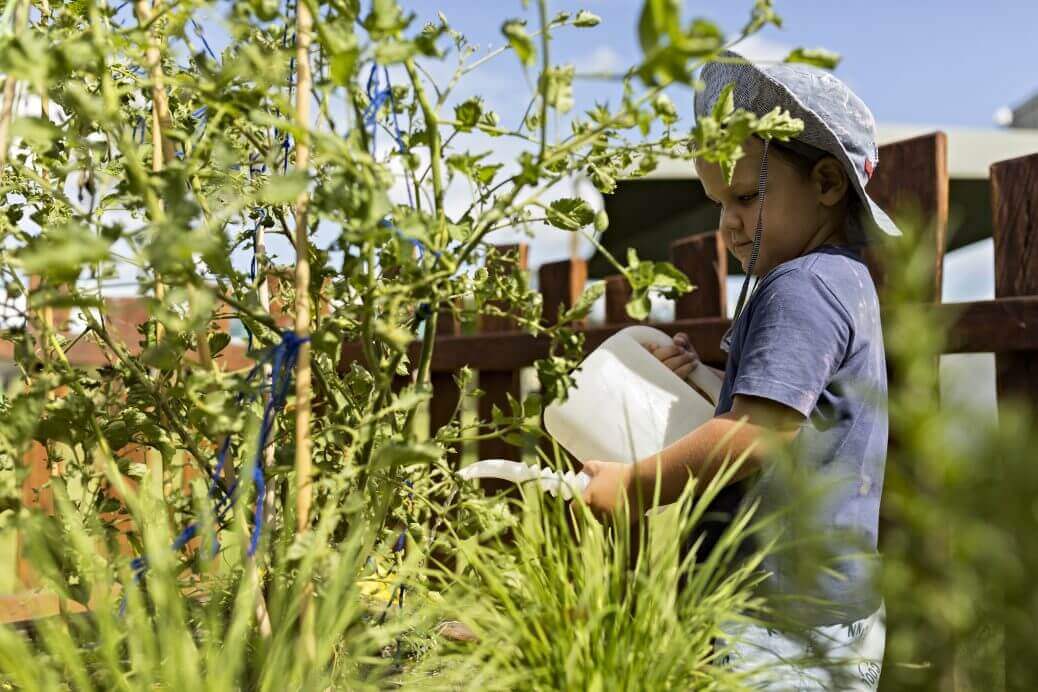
(429, 334)
(432, 123)
(542, 9)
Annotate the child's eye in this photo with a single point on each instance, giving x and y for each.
(748, 197)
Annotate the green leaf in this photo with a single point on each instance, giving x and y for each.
(762, 14)
(61, 252)
(665, 109)
(468, 113)
(586, 19)
(386, 19)
(702, 38)
(570, 214)
(557, 87)
(341, 66)
(394, 335)
(818, 57)
(639, 306)
(584, 304)
(778, 124)
(656, 17)
(426, 40)
(602, 179)
(218, 341)
(392, 51)
(161, 356)
(468, 165)
(38, 133)
(725, 103)
(396, 455)
(283, 189)
(520, 41)
(601, 221)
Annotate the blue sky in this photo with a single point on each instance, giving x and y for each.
(924, 62)
(950, 62)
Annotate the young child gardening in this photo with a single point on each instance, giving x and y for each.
(805, 370)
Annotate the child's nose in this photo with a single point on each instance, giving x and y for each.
(730, 225)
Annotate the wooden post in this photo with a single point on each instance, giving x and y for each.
(912, 178)
(617, 293)
(704, 260)
(1014, 208)
(561, 283)
(497, 385)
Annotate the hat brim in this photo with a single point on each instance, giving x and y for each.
(879, 217)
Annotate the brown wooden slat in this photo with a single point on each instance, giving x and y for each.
(561, 283)
(912, 179)
(1014, 205)
(36, 496)
(979, 327)
(495, 263)
(498, 383)
(617, 293)
(704, 261)
(444, 400)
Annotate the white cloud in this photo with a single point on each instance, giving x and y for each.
(763, 49)
(603, 58)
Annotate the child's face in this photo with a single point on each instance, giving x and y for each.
(798, 208)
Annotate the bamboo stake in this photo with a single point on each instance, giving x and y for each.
(304, 488)
(302, 242)
(161, 152)
(21, 17)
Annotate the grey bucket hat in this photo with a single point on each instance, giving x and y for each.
(835, 119)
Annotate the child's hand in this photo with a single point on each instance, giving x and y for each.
(609, 486)
(678, 356)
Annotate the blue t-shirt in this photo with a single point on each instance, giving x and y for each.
(810, 338)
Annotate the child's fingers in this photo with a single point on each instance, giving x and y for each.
(681, 339)
(680, 360)
(666, 352)
(685, 369)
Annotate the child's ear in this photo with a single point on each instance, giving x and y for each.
(830, 180)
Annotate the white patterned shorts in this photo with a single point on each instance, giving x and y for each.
(833, 657)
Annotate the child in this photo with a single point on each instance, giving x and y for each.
(805, 368)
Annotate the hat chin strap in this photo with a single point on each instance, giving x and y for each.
(758, 231)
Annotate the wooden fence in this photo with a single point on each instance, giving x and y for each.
(913, 175)
(913, 172)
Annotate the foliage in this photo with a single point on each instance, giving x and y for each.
(557, 600)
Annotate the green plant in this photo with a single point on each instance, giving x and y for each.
(234, 165)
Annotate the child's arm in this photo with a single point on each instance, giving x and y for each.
(752, 426)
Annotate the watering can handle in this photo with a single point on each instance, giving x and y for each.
(568, 484)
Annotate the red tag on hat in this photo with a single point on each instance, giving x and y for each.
(868, 169)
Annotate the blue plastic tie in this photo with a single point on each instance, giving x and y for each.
(284, 357)
(201, 34)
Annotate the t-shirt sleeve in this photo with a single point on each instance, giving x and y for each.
(796, 340)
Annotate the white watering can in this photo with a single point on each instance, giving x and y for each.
(625, 405)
